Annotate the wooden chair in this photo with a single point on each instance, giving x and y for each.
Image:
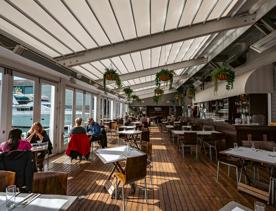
(136, 169)
(7, 178)
(213, 143)
(50, 183)
(189, 140)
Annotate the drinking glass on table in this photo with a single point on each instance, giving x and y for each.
(253, 146)
(236, 146)
(10, 196)
(259, 206)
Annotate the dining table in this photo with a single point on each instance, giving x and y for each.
(41, 202)
(40, 148)
(263, 157)
(132, 136)
(115, 155)
(234, 206)
(128, 127)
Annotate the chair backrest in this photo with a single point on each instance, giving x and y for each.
(78, 143)
(196, 127)
(147, 148)
(208, 127)
(20, 162)
(145, 136)
(6, 178)
(50, 183)
(136, 168)
(190, 138)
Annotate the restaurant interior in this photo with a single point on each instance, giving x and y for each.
(138, 105)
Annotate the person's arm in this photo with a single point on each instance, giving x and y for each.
(30, 136)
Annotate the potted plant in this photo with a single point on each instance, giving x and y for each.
(158, 91)
(157, 98)
(111, 75)
(128, 91)
(164, 75)
(223, 74)
(191, 91)
(136, 98)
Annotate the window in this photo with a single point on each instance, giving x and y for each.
(79, 104)
(22, 104)
(47, 109)
(68, 113)
(87, 106)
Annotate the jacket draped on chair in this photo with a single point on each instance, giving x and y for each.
(78, 143)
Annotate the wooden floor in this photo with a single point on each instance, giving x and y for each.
(178, 184)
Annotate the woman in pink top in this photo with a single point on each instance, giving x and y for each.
(15, 142)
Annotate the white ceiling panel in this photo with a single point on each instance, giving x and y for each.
(178, 72)
(7, 27)
(16, 17)
(131, 82)
(93, 70)
(33, 10)
(220, 7)
(190, 11)
(104, 13)
(87, 18)
(137, 60)
(174, 13)
(164, 54)
(122, 9)
(141, 10)
(158, 15)
(85, 72)
(155, 54)
(146, 87)
(99, 66)
(60, 12)
(146, 58)
(184, 48)
(119, 64)
(137, 81)
(206, 7)
(196, 43)
(128, 62)
(228, 9)
(174, 51)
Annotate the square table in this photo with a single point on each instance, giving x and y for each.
(131, 135)
(43, 202)
(114, 155)
(234, 206)
(255, 155)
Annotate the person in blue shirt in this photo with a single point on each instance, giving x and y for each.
(94, 130)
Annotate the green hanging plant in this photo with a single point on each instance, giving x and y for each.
(166, 76)
(158, 91)
(136, 98)
(128, 91)
(157, 98)
(223, 74)
(111, 75)
(190, 92)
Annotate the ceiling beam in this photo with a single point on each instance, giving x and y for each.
(158, 39)
(153, 71)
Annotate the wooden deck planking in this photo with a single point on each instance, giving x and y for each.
(178, 184)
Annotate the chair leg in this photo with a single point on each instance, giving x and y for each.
(228, 170)
(183, 150)
(123, 199)
(218, 171)
(146, 193)
(196, 152)
(150, 176)
(116, 188)
(210, 153)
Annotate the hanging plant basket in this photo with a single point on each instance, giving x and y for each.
(223, 74)
(136, 98)
(128, 91)
(158, 91)
(111, 75)
(190, 92)
(166, 76)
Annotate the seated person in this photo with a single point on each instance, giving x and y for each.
(78, 129)
(95, 131)
(15, 142)
(35, 134)
(79, 143)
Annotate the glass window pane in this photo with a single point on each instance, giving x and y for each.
(87, 107)
(22, 106)
(79, 104)
(47, 108)
(68, 113)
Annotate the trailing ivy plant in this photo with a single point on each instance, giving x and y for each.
(111, 75)
(164, 75)
(157, 98)
(128, 91)
(158, 91)
(136, 98)
(190, 92)
(223, 74)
